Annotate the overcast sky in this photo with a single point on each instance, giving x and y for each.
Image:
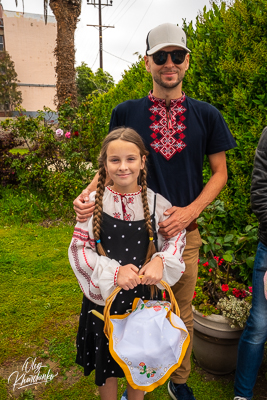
(132, 20)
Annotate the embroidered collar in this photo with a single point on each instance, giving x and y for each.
(162, 102)
(125, 194)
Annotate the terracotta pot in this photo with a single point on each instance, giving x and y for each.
(215, 343)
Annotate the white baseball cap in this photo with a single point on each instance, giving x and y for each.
(165, 35)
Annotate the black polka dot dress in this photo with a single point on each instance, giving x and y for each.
(126, 242)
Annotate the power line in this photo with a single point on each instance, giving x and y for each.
(95, 60)
(125, 11)
(117, 57)
(115, 10)
(100, 26)
(137, 27)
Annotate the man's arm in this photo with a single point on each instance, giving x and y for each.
(181, 217)
(83, 209)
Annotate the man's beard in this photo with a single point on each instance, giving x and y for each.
(165, 84)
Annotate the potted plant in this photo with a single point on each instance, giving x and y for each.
(222, 297)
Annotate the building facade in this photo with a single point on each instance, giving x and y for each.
(31, 43)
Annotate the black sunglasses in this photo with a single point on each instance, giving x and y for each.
(177, 56)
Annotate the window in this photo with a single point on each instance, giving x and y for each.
(1, 23)
(1, 42)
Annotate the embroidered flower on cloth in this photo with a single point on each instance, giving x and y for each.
(150, 372)
(117, 215)
(116, 199)
(127, 217)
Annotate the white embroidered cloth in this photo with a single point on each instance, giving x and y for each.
(148, 344)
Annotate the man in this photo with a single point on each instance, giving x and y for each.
(251, 344)
(178, 131)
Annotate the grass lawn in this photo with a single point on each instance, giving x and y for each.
(39, 309)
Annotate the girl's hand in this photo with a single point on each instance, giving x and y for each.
(152, 272)
(128, 277)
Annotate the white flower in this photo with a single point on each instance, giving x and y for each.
(237, 310)
(59, 132)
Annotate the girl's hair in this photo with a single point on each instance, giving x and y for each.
(128, 135)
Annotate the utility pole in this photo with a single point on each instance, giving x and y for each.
(96, 3)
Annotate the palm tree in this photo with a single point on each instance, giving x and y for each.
(66, 13)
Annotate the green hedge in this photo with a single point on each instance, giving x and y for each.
(228, 70)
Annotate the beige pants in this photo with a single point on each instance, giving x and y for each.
(183, 291)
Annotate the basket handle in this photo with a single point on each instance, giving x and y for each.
(174, 305)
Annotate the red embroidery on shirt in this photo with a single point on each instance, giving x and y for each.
(116, 276)
(87, 277)
(81, 234)
(165, 246)
(167, 124)
(127, 217)
(117, 215)
(176, 243)
(116, 199)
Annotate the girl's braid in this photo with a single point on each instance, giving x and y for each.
(99, 209)
(151, 247)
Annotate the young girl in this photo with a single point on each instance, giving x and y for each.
(115, 247)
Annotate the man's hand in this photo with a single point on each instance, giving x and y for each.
(180, 218)
(82, 207)
(152, 272)
(128, 277)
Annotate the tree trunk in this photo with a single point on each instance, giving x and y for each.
(66, 13)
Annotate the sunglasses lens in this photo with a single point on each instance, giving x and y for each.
(177, 56)
(160, 57)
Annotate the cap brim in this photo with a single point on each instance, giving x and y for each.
(162, 45)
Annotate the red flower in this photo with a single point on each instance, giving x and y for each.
(225, 288)
(76, 133)
(210, 270)
(195, 293)
(142, 364)
(236, 292)
(206, 264)
(250, 289)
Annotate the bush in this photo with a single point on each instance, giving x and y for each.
(8, 174)
(57, 163)
(236, 248)
(227, 69)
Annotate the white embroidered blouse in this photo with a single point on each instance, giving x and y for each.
(97, 275)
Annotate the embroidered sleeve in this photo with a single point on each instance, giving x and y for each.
(96, 274)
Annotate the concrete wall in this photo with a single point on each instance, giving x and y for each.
(31, 43)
